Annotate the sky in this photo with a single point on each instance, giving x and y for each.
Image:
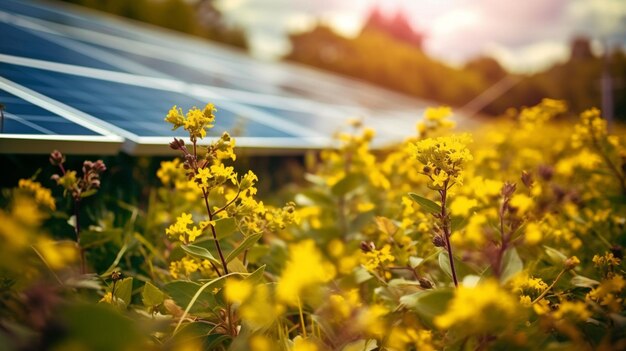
(523, 35)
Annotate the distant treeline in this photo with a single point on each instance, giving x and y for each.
(200, 18)
(377, 57)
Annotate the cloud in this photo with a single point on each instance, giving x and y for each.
(530, 58)
(523, 35)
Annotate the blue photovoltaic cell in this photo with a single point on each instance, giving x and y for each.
(136, 109)
(52, 14)
(22, 117)
(190, 74)
(23, 43)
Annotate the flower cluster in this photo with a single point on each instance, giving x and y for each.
(196, 121)
(43, 196)
(82, 187)
(435, 120)
(443, 159)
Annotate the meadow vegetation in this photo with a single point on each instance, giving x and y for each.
(509, 238)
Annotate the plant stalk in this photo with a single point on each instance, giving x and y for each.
(445, 221)
(83, 265)
(217, 242)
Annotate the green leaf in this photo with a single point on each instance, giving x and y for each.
(225, 227)
(428, 304)
(236, 266)
(349, 183)
(462, 269)
(428, 205)
(245, 244)
(457, 223)
(386, 225)
(415, 261)
(257, 275)
(124, 290)
(361, 345)
(151, 295)
(511, 265)
(88, 193)
(584, 282)
(98, 327)
(555, 255)
(212, 284)
(201, 253)
(183, 291)
(92, 238)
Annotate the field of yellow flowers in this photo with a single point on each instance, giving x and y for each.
(510, 238)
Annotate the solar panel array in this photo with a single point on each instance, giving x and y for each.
(88, 82)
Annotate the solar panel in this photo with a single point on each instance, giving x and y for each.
(80, 76)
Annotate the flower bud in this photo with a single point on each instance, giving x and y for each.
(177, 144)
(545, 172)
(117, 275)
(527, 179)
(508, 189)
(438, 241)
(367, 246)
(571, 262)
(87, 165)
(99, 166)
(56, 158)
(425, 283)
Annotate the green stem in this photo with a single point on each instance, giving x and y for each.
(301, 318)
(446, 231)
(545, 292)
(217, 242)
(83, 265)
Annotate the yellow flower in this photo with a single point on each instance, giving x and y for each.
(434, 120)
(301, 344)
(574, 310)
(186, 266)
(607, 260)
(175, 117)
(377, 258)
(591, 128)
(535, 116)
(446, 156)
(43, 196)
(203, 176)
(479, 309)
(107, 298)
(608, 293)
(181, 229)
(371, 320)
(237, 291)
(410, 338)
(57, 254)
(259, 310)
(259, 342)
(68, 180)
(193, 233)
(473, 233)
(440, 178)
(305, 268)
(196, 122)
(170, 171)
(532, 233)
(522, 203)
(343, 306)
(462, 205)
